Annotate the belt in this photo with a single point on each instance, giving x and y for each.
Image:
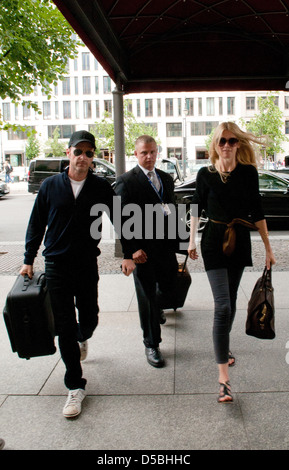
(229, 241)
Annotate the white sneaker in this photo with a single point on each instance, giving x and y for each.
(72, 406)
(83, 350)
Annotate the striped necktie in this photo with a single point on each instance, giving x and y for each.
(154, 179)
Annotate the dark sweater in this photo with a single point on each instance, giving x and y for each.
(66, 220)
(238, 198)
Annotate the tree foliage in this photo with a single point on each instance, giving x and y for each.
(104, 131)
(55, 148)
(268, 123)
(32, 149)
(35, 44)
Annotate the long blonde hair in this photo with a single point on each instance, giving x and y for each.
(246, 154)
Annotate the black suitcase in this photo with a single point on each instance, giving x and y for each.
(28, 317)
(178, 296)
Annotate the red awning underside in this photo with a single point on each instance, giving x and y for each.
(185, 45)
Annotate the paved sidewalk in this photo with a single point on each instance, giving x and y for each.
(132, 406)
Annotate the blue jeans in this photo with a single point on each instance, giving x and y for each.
(73, 284)
(224, 284)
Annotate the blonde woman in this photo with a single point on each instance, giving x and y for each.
(228, 191)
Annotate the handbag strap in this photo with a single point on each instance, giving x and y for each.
(267, 279)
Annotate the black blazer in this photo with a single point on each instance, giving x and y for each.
(134, 187)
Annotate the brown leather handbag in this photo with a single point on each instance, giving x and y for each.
(260, 319)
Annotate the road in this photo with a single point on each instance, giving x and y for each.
(15, 210)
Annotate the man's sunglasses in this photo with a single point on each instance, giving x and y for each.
(232, 141)
(88, 153)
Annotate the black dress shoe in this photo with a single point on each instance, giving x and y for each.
(162, 317)
(154, 357)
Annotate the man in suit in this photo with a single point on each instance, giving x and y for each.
(153, 250)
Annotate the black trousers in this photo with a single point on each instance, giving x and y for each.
(153, 280)
(73, 284)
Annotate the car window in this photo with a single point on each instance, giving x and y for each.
(270, 182)
(50, 166)
(100, 168)
(168, 167)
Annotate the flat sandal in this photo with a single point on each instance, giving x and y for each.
(225, 391)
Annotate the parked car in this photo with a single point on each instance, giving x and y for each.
(42, 168)
(273, 188)
(4, 189)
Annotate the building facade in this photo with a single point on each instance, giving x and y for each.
(183, 120)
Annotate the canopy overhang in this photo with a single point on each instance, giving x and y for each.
(185, 45)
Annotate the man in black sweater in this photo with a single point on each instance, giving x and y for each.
(62, 211)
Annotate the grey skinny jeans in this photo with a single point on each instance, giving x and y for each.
(224, 284)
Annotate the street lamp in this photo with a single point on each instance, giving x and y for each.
(184, 152)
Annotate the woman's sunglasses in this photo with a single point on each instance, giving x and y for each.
(232, 141)
(88, 153)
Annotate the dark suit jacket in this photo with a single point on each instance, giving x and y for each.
(135, 188)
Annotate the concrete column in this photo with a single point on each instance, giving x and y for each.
(119, 140)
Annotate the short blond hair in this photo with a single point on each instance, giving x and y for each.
(146, 139)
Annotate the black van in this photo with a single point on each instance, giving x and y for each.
(41, 168)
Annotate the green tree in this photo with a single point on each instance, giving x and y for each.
(104, 131)
(54, 148)
(268, 123)
(32, 149)
(35, 43)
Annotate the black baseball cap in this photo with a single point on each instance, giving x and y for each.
(81, 136)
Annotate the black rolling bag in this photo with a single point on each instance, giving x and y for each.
(29, 318)
(178, 296)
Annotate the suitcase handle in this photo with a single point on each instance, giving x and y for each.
(27, 280)
(184, 265)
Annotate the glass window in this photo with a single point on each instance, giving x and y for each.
(270, 182)
(159, 107)
(174, 129)
(286, 102)
(96, 87)
(106, 85)
(66, 109)
(200, 106)
(108, 107)
(97, 109)
(6, 111)
(190, 106)
(46, 110)
(66, 86)
(148, 107)
(210, 106)
(26, 111)
(179, 106)
(169, 107)
(76, 85)
(230, 105)
(86, 85)
(220, 106)
(138, 107)
(203, 127)
(77, 109)
(85, 61)
(250, 102)
(87, 109)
